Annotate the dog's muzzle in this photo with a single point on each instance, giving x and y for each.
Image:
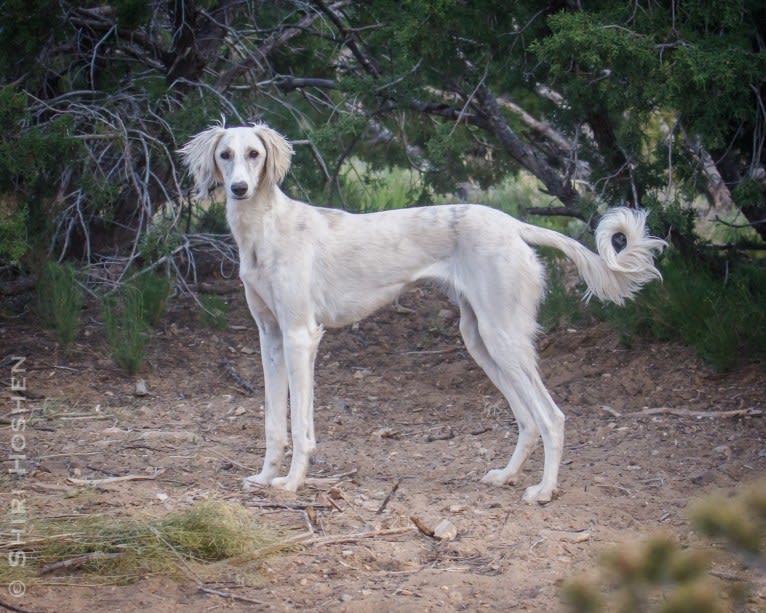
(239, 189)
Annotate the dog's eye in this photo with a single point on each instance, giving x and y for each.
(253, 154)
(225, 155)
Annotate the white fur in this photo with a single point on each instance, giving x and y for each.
(305, 268)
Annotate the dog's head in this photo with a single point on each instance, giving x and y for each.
(245, 159)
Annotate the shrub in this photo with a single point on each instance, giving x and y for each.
(722, 316)
(660, 575)
(60, 300)
(563, 305)
(212, 312)
(126, 328)
(155, 290)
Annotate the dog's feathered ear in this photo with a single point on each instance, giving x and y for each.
(278, 153)
(199, 156)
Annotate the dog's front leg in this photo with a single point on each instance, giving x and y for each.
(300, 353)
(275, 390)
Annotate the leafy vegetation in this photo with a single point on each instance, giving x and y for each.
(660, 575)
(126, 328)
(723, 316)
(658, 105)
(212, 313)
(60, 300)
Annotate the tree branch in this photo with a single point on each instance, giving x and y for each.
(522, 152)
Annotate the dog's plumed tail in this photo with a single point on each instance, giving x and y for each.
(625, 260)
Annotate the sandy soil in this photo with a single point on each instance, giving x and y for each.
(407, 425)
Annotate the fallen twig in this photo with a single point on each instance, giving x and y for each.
(111, 479)
(10, 607)
(350, 538)
(233, 374)
(421, 526)
(78, 561)
(387, 499)
(688, 413)
(571, 536)
(430, 351)
(223, 594)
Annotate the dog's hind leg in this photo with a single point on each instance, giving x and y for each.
(300, 354)
(528, 433)
(515, 357)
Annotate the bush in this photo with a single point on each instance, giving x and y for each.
(212, 312)
(60, 300)
(126, 328)
(722, 316)
(155, 290)
(660, 575)
(563, 305)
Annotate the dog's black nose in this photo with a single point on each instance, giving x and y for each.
(239, 189)
(619, 241)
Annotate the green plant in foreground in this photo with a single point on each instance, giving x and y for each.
(660, 575)
(155, 291)
(212, 313)
(60, 300)
(722, 316)
(126, 328)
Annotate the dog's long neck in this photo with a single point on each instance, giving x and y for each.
(249, 219)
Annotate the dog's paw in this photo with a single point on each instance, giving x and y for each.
(254, 481)
(286, 483)
(537, 494)
(496, 476)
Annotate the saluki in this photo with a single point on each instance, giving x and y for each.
(306, 268)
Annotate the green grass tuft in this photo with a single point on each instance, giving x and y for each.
(212, 313)
(60, 301)
(126, 328)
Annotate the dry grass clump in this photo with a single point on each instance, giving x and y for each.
(120, 550)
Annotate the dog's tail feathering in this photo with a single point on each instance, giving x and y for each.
(625, 260)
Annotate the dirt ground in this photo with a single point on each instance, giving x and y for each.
(406, 425)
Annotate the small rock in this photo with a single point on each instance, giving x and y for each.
(383, 433)
(240, 411)
(446, 314)
(247, 350)
(445, 531)
(141, 389)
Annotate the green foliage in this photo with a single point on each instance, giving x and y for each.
(722, 316)
(563, 305)
(366, 190)
(740, 521)
(13, 232)
(212, 312)
(154, 290)
(162, 238)
(130, 313)
(211, 219)
(60, 300)
(660, 575)
(126, 328)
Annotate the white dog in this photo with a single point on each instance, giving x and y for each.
(305, 268)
